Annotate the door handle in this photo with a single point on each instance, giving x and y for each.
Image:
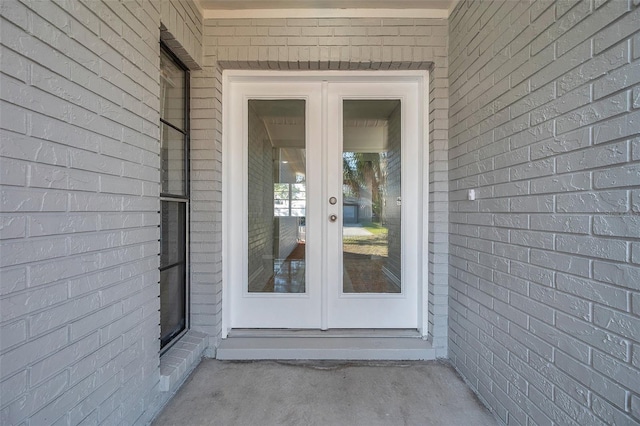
(333, 218)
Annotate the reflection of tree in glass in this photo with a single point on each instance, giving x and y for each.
(364, 170)
(281, 191)
(298, 191)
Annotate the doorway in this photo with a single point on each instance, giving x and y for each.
(323, 207)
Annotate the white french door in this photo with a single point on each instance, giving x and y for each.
(323, 195)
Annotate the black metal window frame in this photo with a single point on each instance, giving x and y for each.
(185, 199)
(186, 130)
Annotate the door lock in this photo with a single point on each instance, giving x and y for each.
(333, 218)
(333, 200)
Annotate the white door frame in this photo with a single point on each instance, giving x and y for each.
(230, 172)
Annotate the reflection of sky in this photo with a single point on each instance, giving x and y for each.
(289, 199)
(284, 212)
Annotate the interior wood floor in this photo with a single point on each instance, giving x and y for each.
(363, 273)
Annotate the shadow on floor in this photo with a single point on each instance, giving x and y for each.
(324, 393)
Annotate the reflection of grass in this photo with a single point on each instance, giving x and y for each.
(364, 241)
(367, 245)
(375, 228)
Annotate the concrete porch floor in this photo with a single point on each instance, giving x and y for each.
(324, 393)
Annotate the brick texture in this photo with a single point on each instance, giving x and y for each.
(533, 288)
(543, 126)
(181, 30)
(358, 44)
(79, 165)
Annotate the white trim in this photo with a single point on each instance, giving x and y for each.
(324, 304)
(237, 76)
(423, 292)
(226, 214)
(324, 13)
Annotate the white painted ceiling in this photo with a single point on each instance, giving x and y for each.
(365, 123)
(325, 4)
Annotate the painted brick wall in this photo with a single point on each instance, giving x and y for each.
(545, 264)
(181, 25)
(359, 43)
(181, 29)
(206, 205)
(79, 168)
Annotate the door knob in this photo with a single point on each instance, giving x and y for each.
(333, 218)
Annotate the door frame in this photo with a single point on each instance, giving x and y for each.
(228, 171)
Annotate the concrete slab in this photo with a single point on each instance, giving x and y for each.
(325, 393)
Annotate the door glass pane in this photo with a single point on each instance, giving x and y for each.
(172, 92)
(371, 196)
(172, 161)
(277, 196)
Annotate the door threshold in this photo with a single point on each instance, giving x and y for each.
(399, 345)
(334, 332)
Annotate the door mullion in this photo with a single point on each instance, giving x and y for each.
(324, 320)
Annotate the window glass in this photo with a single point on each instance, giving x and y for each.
(174, 139)
(172, 161)
(172, 303)
(371, 167)
(173, 238)
(172, 92)
(276, 201)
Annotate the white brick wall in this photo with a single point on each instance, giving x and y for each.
(544, 272)
(79, 208)
(542, 111)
